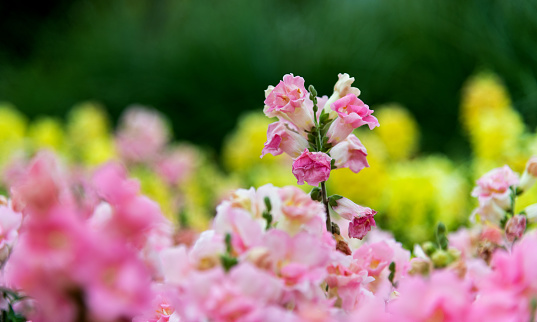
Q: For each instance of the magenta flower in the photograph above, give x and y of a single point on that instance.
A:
(281, 138)
(289, 100)
(350, 153)
(312, 167)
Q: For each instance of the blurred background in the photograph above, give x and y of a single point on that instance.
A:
(434, 70)
(204, 62)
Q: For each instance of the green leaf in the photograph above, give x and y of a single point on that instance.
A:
(268, 204)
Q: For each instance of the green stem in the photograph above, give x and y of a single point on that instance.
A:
(325, 202)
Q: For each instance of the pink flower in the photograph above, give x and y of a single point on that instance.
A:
(143, 133)
(494, 194)
(359, 227)
(10, 222)
(312, 167)
(289, 100)
(361, 217)
(352, 113)
(281, 138)
(351, 154)
(443, 297)
(300, 211)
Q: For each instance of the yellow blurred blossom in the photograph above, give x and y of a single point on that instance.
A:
(398, 131)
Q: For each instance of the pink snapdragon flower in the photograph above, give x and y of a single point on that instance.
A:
(494, 194)
(361, 218)
(312, 167)
(281, 138)
(289, 100)
(350, 153)
(352, 113)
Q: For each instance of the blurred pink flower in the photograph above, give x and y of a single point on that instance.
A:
(494, 193)
(312, 167)
(142, 134)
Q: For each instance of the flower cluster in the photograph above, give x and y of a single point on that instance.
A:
(90, 246)
(317, 133)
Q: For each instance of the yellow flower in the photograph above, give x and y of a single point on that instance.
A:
(87, 121)
(12, 131)
(482, 92)
(47, 132)
(398, 131)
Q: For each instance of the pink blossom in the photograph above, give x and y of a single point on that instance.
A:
(281, 138)
(143, 133)
(444, 297)
(350, 153)
(298, 209)
(494, 194)
(359, 227)
(361, 217)
(10, 222)
(352, 113)
(245, 231)
(312, 167)
(176, 165)
(289, 100)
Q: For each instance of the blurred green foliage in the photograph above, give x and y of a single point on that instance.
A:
(204, 62)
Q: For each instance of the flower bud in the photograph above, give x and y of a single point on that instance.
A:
(441, 258)
(515, 227)
(529, 176)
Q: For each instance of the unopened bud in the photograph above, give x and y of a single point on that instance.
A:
(441, 258)
(429, 248)
(315, 194)
(515, 227)
(419, 266)
(454, 253)
(529, 176)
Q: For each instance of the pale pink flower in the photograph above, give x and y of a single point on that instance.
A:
(444, 297)
(347, 278)
(350, 153)
(352, 113)
(515, 227)
(361, 218)
(289, 100)
(245, 231)
(10, 222)
(281, 138)
(299, 209)
(177, 165)
(494, 193)
(343, 86)
(312, 167)
(142, 134)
